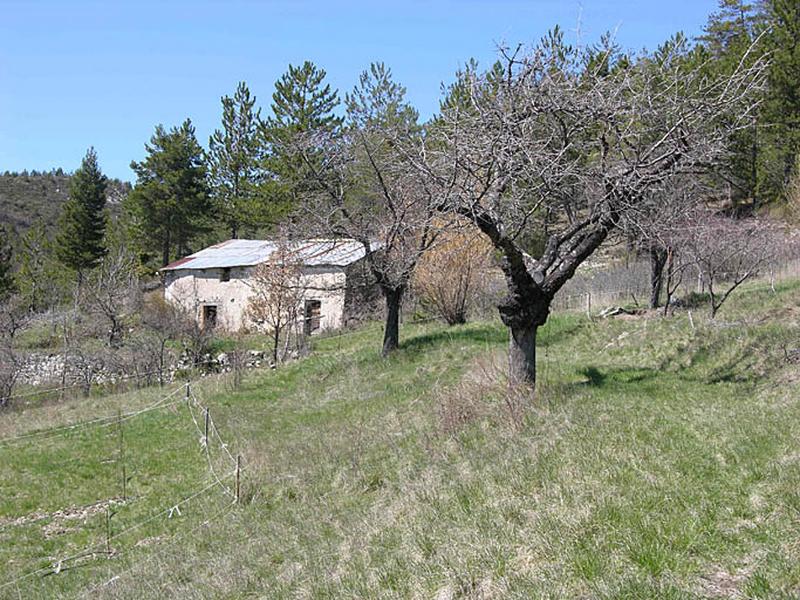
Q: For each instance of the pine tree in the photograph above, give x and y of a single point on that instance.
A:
(729, 36)
(233, 162)
(782, 103)
(302, 102)
(82, 225)
(169, 205)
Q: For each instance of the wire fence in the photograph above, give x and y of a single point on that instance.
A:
(223, 474)
(630, 284)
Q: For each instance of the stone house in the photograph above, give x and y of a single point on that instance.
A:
(215, 283)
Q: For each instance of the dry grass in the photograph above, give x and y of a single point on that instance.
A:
(654, 461)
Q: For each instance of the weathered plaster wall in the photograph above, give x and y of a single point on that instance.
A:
(194, 289)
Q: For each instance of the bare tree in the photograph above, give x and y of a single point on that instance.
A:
(110, 293)
(10, 360)
(654, 226)
(278, 291)
(728, 252)
(15, 315)
(194, 333)
(9, 372)
(163, 323)
(563, 143)
(366, 188)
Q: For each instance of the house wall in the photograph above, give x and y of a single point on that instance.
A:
(363, 300)
(195, 288)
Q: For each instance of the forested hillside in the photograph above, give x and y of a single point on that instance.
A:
(28, 197)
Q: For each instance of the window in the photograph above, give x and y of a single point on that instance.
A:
(225, 274)
(209, 317)
(313, 315)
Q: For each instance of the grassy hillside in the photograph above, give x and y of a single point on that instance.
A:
(659, 460)
(25, 199)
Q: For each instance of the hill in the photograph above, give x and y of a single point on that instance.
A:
(660, 459)
(28, 197)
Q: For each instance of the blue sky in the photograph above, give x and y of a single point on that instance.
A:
(79, 73)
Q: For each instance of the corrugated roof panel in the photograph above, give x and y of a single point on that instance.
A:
(245, 253)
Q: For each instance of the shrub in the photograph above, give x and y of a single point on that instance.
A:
(449, 277)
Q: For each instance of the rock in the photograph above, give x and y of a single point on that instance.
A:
(613, 311)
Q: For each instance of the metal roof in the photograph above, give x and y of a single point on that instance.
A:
(246, 253)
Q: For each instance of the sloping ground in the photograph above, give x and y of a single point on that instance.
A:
(659, 460)
(25, 199)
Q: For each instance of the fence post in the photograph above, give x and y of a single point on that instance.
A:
(121, 455)
(188, 393)
(108, 531)
(205, 437)
(589, 304)
(238, 471)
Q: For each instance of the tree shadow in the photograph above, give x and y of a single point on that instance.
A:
(619, 375)
(594, 376)
(488, 333)
(549, 336)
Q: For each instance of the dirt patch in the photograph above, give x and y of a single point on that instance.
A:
(149, 541)
(722, 584)
(59, 519)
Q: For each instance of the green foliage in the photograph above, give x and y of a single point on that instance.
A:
(302, 102)
(233, 163)
(7, 282)
(379, 102)
(41, 280)
(781, 133)
(81, 228)
(25, 199)
(763, 156)
(169, 206)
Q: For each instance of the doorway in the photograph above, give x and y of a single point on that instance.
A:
(209, 316)
(313, 315)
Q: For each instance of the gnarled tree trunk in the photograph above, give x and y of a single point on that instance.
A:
(391, 332)
(658, 259)
(522, 355)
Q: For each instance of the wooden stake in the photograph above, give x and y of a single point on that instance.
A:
(238, 471)
(589, 304)
(187, 392)
(121, 455)
(206, 431)
(108, 531)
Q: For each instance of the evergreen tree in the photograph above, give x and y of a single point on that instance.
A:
(82, 225)
(302, 102)
(169, 205)
(763, 157)
(730, 31)
(233, 157)
(781, 109)
(729, 35)
(379, 102)
(7, 283)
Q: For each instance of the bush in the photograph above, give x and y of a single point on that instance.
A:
(451, 275)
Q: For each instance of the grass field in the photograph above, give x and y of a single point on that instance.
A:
(658, 460)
